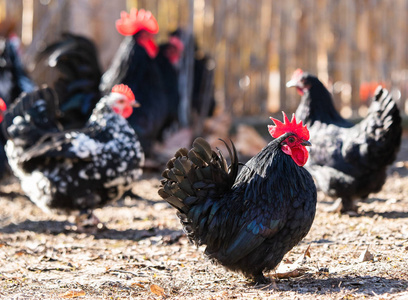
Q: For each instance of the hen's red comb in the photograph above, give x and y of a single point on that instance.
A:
(297, 74)
(3, 106)
(124, 90)
(176, 42)
(130, 24)
(288, 126)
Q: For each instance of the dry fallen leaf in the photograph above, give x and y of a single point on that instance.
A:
(294, 273)
(307, 252)
(289, 269)
(137, 284)
(365, 256)
(72, 294)
(287, 261)
(302, 258)
(20, 252)
(155, 289)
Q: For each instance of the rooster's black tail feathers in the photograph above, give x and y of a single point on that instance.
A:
(193, 181)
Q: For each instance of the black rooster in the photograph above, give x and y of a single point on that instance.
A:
(250, 220)
(134, 64)
(349, 161)
(77, 169)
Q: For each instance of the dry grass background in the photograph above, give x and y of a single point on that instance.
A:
(144, 255)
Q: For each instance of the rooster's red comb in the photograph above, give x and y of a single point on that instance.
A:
(124, 90)
(130, 24)
(288, 126)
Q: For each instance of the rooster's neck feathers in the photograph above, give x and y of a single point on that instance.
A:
(269, 157)
(317, 105)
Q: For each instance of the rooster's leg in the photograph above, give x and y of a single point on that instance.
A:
(260, 279)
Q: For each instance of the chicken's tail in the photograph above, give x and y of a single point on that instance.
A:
(193, 182)
(76, 59)
(31, 116)
(383, 128)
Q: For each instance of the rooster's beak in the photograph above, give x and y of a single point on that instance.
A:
(306, 143)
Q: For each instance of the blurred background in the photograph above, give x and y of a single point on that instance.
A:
(255, 45)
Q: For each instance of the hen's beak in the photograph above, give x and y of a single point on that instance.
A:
(306, 143)
(135, 104)
(291, 83)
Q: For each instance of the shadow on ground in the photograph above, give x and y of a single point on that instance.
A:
(363, 285)
(58, 227)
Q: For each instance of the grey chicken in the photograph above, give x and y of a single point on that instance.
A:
(348, 161)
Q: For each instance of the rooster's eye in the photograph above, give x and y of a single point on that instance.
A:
(291, 139)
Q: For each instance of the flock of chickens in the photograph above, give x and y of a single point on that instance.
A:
(82, 144)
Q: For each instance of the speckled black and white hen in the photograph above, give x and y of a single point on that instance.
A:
(73, 170)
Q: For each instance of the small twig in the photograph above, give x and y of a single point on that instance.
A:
(126, 272)
(156, 269)
(269, 286)
(62, 269)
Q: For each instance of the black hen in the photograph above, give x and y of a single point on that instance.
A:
(250, 220)
(78, 169)
(77, 85)
(167, 59)
(202, 100)
(13, 78)
(13, 81)
(348, 161)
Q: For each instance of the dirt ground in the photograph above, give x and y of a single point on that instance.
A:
(144, 255)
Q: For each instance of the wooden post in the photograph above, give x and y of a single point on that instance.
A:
(282, 55)
(28, 17)
(96, 20)
(3, 8)
(187, 71)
